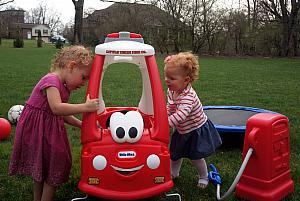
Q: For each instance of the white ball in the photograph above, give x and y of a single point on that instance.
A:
(14, 113)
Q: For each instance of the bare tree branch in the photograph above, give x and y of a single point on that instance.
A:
(272, 8)
(285, 13)
(3, 3)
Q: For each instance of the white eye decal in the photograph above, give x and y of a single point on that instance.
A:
(135, 126)
(117, 127)
(126, 127)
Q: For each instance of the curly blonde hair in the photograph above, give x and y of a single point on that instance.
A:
(187, 61)
(81, 55)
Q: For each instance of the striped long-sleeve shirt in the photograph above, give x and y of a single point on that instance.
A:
(186, 111)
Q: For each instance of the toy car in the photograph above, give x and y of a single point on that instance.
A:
(125, 153)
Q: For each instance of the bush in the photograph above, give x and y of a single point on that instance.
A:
(39, 40)
(18, 43)
(59, 44)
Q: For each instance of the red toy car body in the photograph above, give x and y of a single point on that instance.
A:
(125, 152)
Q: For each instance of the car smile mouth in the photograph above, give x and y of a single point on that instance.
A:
(127, 171)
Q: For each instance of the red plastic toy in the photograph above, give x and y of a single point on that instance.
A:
(267, 174)
(125, 152)
(5, 128)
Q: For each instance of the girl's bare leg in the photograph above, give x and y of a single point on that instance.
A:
(202, 171)
(175, 168)
(37, 191)
(48, 192)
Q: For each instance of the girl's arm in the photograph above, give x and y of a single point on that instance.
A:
(72, 120)
(65, 109)
(180, 115)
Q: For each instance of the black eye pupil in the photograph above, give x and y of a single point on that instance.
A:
(133, 132)
(120, 132)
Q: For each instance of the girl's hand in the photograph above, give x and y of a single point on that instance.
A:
(175, 95)
(91, 104)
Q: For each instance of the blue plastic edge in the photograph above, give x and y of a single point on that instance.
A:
(235, 129)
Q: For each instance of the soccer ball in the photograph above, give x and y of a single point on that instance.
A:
(14, 113)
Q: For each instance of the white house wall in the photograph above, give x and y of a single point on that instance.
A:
(42, 28)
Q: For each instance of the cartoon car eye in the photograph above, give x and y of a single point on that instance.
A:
(126, 127)
(117, 127)
(135, 126)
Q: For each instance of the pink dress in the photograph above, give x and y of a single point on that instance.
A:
(41, 147)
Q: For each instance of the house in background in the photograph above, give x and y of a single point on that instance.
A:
(7, 20)
(30, 31)
(12, 24)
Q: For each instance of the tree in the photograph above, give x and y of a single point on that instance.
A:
(285, 12)
(39, 40)
(209, 22)
(251, 26)
(18, 42)
(2, 3)
(177, 10)
(78, 4)
(252, 14)
(42, 14)
(193, 20)
(68, 30)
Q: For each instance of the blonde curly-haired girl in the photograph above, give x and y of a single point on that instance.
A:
(41, 147)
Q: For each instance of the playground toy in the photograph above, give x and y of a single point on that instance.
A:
(232, 119)
(5, 128)
(125, 152)
(265, 172)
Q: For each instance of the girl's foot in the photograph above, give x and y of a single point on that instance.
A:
(202, 183)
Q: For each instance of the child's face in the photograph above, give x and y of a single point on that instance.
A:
(175, 78)
(77, 77)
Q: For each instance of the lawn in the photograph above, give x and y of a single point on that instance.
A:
(268, 83)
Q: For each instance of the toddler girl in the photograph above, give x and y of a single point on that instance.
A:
(195, 137)
(41, 147)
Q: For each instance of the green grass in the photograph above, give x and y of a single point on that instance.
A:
(266, 83)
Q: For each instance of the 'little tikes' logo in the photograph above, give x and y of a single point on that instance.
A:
(126, 154)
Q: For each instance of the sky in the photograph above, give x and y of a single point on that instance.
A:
(63, 7)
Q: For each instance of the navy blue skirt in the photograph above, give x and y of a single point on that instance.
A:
(197, 144)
